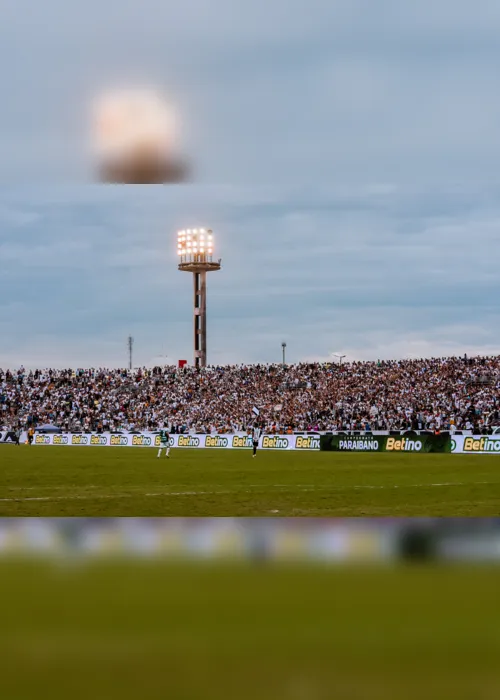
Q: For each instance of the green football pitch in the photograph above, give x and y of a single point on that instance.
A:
(94, 481)
(216, 632)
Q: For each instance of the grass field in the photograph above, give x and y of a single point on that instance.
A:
(64, 481)
(220, 633)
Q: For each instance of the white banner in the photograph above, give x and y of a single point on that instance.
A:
(476, 444)
(460, 444)
(234, 441)
(23, 437)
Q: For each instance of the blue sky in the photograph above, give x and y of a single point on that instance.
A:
(346, 157)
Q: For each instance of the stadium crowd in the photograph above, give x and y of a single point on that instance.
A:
(438, 393)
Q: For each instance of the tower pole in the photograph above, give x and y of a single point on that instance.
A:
(195, 248)
(203, 317)
(130, 346)
(200, 318)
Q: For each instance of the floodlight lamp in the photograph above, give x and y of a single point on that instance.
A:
(202, 250)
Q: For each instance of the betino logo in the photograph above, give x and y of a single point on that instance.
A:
(79, 440)
(100, 440)
(216, 441)
(482, 444)
(242, 441)
(275, 442)
(311, 442)
(42, 440)
(118, 441)
(142, 441)
(188, 441)
(403, 445)
(60, 440)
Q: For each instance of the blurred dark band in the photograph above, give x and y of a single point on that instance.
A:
(145, 171)
(255, 540)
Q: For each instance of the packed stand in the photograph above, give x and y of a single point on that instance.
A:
(436, 394)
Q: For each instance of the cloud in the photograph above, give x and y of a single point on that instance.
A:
(320, 91)
(385, 270)
(346, 157)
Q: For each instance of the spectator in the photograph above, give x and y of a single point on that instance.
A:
(432, 394)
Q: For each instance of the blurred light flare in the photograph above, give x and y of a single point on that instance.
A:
(129, 120)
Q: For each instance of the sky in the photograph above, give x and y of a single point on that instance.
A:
(345, 155)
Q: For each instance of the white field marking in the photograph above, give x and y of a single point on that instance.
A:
(166, 494)
(112, 496)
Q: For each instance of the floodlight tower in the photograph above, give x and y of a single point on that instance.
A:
(195, 250)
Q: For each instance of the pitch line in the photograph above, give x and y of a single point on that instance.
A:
(167, 494)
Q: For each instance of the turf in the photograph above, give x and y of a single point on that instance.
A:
(64, 481)
(214, 632)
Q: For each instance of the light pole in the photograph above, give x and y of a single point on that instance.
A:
(195, 249)
(341, 357)
(130, 342)
(283, 348)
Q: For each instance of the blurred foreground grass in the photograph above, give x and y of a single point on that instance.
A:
(212, 631)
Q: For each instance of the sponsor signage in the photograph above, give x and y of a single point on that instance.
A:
(306, 442)
(80, 439)
(476, 444)
(338, 442)
(100, 440)
(403, 445)
(275, 442)
(358, 444)
(386, 443)
(241, 441)
(216, 441)
(141, 440)
(43, 439)
(236, 441)
(118, 440)
(60, 440)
